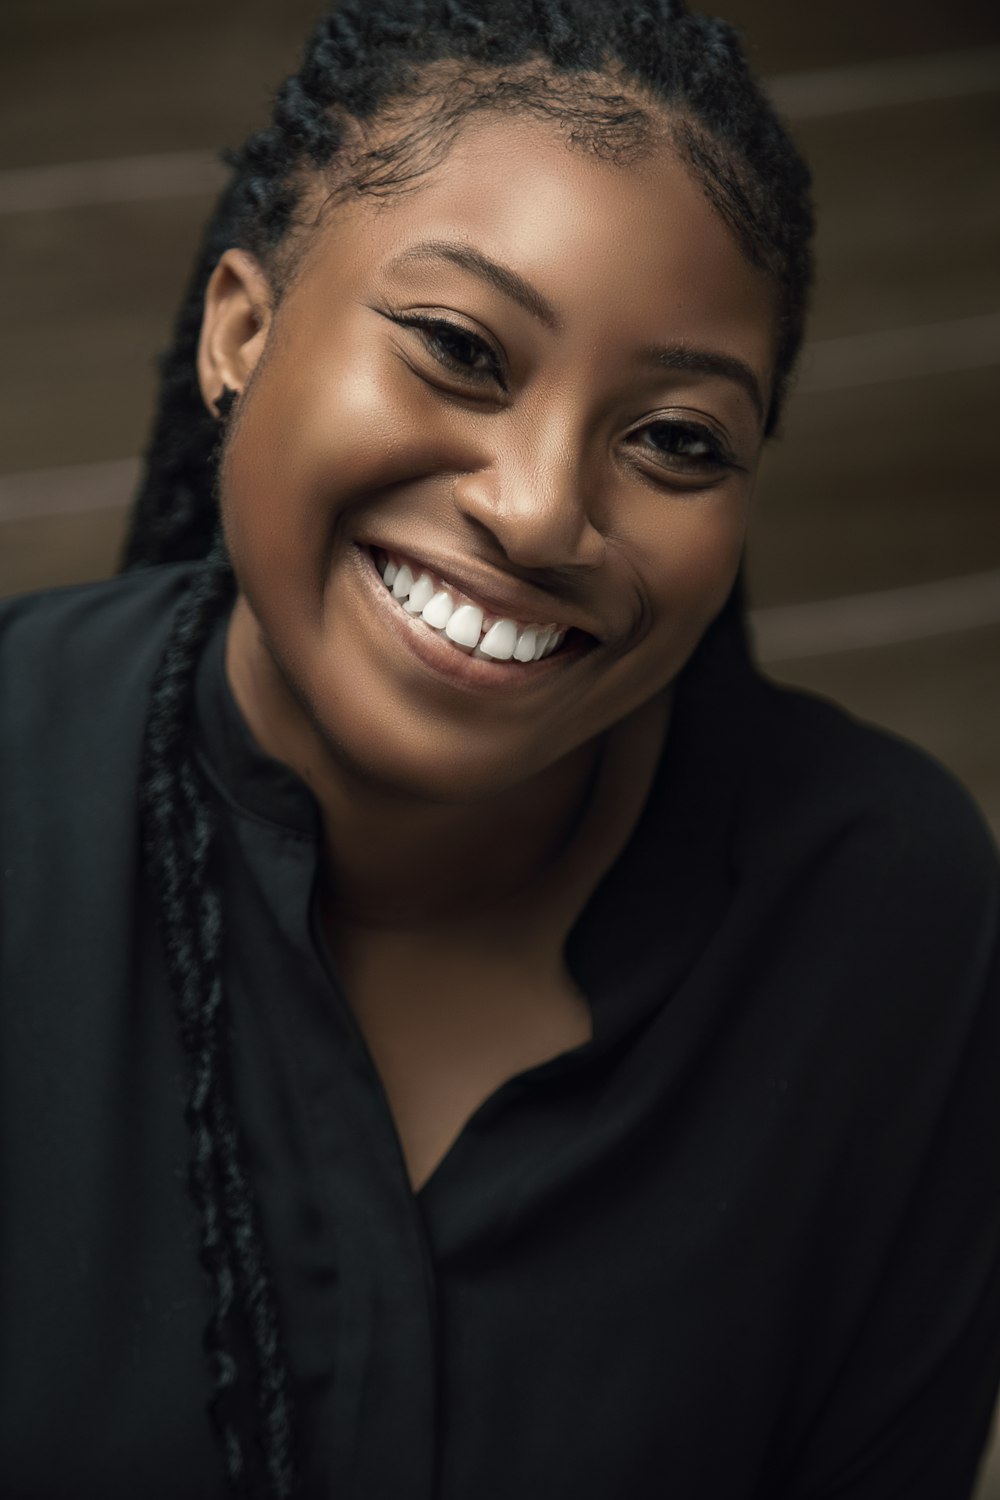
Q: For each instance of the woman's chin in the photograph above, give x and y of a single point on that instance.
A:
(423, 763)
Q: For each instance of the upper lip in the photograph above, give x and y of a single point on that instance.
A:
(503, 597)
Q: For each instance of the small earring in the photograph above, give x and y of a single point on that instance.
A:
(225, 403)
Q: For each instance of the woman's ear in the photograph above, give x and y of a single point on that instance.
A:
(234, 326)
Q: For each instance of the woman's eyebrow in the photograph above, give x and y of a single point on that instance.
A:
(705, 362)
(514, 286)
(500, 276)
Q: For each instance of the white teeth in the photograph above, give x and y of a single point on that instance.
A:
(439, 611)
(403, 582)
(421, 593)
(465, 625)
(525, 648)
(500, 640)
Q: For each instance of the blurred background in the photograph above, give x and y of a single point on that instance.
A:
(875, 554)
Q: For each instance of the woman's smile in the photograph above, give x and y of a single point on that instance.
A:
(469, 648)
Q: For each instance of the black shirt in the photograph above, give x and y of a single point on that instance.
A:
(743, 1243)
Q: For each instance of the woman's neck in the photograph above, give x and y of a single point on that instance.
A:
(399, 863)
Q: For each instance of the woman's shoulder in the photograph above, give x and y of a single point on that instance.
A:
(83, 642)
(76, 664)
(85, 614)
(821, 778)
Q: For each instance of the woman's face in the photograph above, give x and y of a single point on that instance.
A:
(539, 378)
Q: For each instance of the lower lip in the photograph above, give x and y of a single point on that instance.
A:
(448, 661)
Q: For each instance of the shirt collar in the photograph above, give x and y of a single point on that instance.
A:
(251, 780)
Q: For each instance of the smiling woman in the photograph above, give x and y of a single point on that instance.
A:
(592, 1050)
(539, 453)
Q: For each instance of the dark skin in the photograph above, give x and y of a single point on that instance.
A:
(559, 473)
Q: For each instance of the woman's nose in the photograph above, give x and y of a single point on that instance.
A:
(536, 509)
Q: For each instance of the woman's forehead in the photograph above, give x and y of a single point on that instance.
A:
(601, 245)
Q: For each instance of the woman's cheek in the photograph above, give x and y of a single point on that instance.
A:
(691, 547)
(360, 422)
(308, 437)
(710, 544)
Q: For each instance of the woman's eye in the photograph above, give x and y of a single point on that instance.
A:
(458, 350)
(686, 447)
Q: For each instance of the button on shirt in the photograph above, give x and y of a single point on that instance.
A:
(744, 1242)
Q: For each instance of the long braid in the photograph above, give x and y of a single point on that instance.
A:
(594, 66)
(179, 837)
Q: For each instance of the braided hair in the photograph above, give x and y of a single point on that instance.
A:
(609, 71)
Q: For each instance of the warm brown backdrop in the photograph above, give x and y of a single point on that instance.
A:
(885, 480)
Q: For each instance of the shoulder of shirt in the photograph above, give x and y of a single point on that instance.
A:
(87, 612)
(848, 784)
(80, 648)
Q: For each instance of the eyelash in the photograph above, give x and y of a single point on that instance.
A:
(716, 458)
(428, 327)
